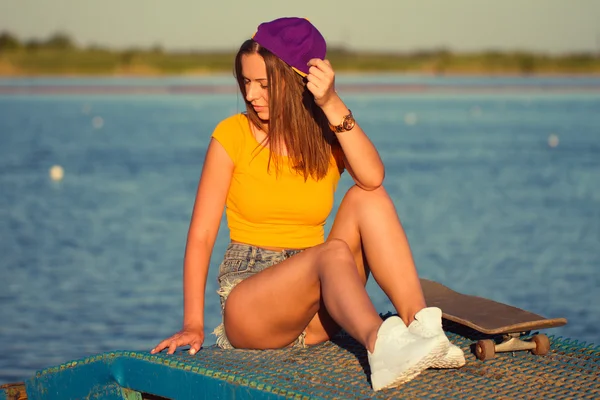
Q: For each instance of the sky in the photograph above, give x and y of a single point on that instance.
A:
(550, 26)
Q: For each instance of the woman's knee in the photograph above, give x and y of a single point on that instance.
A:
(336, 247)
(356, 195)
(336, 251)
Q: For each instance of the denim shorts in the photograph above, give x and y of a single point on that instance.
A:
(241, 261)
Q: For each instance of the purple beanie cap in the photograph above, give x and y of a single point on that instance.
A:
(294, 40)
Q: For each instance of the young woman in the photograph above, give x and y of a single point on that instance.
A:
(275, 168)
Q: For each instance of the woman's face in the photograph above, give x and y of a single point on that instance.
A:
(254, 73)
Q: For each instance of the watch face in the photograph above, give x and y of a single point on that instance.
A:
(349, 123)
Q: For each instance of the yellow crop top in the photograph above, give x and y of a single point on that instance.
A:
(264, 208)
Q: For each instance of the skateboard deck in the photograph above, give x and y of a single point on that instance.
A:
(483, 315)
(491, 318)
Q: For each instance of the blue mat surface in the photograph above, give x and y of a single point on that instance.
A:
(333, 370)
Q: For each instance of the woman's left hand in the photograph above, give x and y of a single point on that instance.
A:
(321, 81)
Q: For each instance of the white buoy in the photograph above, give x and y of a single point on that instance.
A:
(553, 140)
(476, 111)
(97, 122)
(410, 118)
(57, 173)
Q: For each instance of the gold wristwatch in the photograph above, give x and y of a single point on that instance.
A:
(347, 124)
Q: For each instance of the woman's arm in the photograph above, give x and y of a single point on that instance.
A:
(202, 233)
(204, 226)
(361, 158)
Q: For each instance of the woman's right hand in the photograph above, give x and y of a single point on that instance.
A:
(192, 337)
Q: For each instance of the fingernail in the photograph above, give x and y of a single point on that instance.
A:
(193, 351)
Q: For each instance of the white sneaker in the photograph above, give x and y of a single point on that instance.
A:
(427, 324)
(400, 356)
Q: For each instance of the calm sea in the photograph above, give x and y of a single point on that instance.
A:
(496, 180)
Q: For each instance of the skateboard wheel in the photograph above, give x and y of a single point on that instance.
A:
(542, 344)
(485, 349)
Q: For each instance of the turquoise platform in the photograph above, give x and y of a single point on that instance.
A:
(336, 369)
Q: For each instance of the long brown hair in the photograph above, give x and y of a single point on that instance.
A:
(295, 121)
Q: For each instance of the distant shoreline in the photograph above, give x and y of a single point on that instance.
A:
(342, 72)
(199, 88)
(71, 61)
(13, 73)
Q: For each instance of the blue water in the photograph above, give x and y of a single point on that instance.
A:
(499, 195)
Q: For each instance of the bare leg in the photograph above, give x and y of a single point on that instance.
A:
(368, 222)
(272, 308)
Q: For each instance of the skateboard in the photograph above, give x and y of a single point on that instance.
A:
(504, 325)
